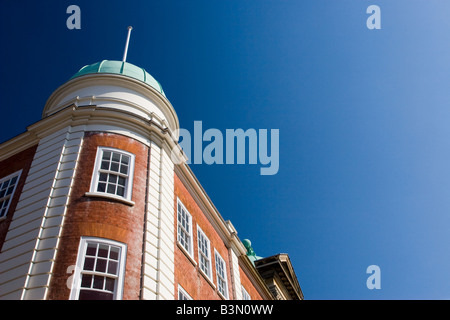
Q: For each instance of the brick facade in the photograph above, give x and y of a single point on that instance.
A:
(248, 286)
(187, 272)
(114, 220)
(20, 161)
(40, 236)
(104, 218)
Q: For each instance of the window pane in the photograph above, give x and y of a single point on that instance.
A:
(95, 295)
(111, 189)
(112, 178)
(91, 249)
(122, 181)
(114, 167)
(116, 157)
(105, 165)
(112, 267)
(101, 270)
(86, 281)
(98, 282)
(114, 253)
(101, 265)
(221, 277)
(124, 169)
(101, 187)
(120, 191)
(103, 250)
(125, 159)
(106, 155)
(89, 264)
(110, 283)
(103, 177)
(10, 190)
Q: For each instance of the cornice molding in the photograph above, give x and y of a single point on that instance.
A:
(250, 270)
(96, 119)
(225, 228)
(18, 144)
(56, 103)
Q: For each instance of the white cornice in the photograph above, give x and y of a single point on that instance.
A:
(18, 144)
(225, 228)
(66, 95)
(250, 270)
(94, 119)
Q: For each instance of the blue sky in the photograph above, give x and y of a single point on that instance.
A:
(363, 116)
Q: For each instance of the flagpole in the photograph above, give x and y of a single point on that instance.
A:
(126, 45)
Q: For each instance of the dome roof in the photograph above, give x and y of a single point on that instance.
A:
(122, 68)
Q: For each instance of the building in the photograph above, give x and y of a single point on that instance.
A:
(97, 202)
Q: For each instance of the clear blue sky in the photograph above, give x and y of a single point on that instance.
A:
(364, 119)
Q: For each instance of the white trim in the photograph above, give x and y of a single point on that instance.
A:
(190, 250)
(217, 255)
(235, 273)
(96, 174)
(159, 250)
(109, 196)
(183, 292)
(11, 195)
(76, 284)
(90, 87)
(200, 232)
(245, 294)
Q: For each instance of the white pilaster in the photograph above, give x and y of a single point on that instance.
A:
(28, 254)
(158, 275)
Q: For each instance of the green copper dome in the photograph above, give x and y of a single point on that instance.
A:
(122, 68)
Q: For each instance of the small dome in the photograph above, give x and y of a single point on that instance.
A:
(247, 243)
(122, 68)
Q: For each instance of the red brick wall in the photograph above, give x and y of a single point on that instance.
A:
(249, 287)
(187, 274)
(102, 217)
(21, 160)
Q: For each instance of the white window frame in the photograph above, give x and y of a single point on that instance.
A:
(11, 195)
(245, 294)
(190, 249)
(201, 234)
(79, 267)
(97, 171)
(219, 260)
(183, 293)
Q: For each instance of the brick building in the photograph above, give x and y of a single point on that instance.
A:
(97, 202)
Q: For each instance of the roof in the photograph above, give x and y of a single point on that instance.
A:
(281, 265)
(122, 68)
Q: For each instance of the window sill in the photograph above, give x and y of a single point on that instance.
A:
(211, 283)
(110, 197)
(221, 295)
(191, 259)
